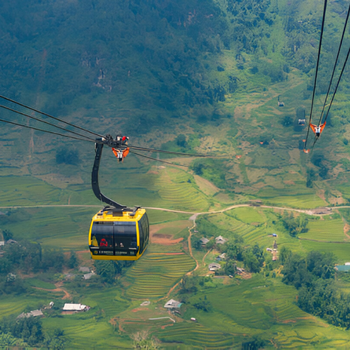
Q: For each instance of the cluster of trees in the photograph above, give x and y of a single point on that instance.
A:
(67, 156)
(189, 285)
(295, 225)
(30, 331)
(314, 276)
(108, 270)
(28, 257)
(213, 170)
(252, 257)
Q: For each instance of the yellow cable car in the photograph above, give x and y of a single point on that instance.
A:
(116, 232)
(119, 236)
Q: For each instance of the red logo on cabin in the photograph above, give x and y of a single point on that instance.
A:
(103, 243)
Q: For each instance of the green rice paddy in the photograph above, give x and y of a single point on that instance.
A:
(155, 274)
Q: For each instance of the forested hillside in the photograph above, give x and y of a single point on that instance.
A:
(190, 66)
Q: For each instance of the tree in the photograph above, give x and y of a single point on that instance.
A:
(251, 262)
(230, 268)
(107, 270)
(181, 140)
(73, 260)
(287, 121)
(284, 254)
(7, 234)
(189, 284)
(67, 156)
(204, 305)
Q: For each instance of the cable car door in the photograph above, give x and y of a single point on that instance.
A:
(125, 238)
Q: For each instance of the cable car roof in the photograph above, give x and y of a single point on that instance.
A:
(119, 216)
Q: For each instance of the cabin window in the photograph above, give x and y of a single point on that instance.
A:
(125, 236)
(102, 235)
(146, 227)
(142, 236)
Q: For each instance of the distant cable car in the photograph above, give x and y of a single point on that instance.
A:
(116, 232)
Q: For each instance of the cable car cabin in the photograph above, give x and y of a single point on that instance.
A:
(116, 235)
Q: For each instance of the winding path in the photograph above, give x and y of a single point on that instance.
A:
(195, 214)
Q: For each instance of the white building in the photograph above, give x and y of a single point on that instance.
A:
(75, 307)
(204, 240)
(33, 313)
(172, 304)
(214, 266)
(220, 240)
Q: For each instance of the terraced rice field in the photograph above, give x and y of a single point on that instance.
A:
(195, 335)
(325, 230)
(250, 233)
(247, 214)
(63, 227)
(178, 193)
(300, 201)
(340, 250)
(155, 274)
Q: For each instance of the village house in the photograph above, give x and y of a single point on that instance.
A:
(87, 276)
(204, 240)
(220, 240)
(84, 269)
(34, 313)
(172, 304)
(221, 257)
(75, 307)
(214, 266)
(240, 269)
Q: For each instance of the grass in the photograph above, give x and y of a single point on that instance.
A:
(35, 282)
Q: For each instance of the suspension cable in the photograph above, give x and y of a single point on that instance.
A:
(336, 87)
(43, 121)
(169, 152)
(158, 160)
(49, 132)
(318, 60)
(48, 115)
(335, 64)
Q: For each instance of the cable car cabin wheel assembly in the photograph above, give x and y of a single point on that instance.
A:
(116, 232)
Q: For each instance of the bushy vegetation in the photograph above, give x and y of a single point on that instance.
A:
(29, 330)
(211, 169)
(314, 276)
(295, 225)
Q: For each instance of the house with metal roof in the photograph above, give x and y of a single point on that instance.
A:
(220, 240)
(214, 266)
(75, 307)
(173, 304)
(34, 313)
(221, 257)
(204, 240)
